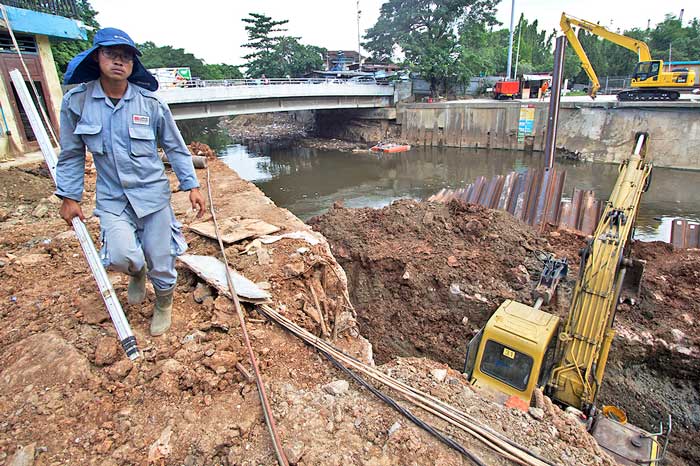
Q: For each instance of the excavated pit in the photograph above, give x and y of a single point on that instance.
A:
(424, 277)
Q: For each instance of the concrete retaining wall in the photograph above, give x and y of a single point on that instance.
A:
(599, 131)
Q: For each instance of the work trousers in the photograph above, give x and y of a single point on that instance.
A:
(129, 242)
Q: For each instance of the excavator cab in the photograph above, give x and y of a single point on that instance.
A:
(515, 351)
(647, 70)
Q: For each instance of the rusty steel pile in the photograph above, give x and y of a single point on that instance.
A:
(535, 197)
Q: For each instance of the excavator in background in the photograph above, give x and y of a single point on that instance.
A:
(522, 347)
(649, 80)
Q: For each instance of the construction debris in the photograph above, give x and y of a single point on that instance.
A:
(213, 271)
(235, 229)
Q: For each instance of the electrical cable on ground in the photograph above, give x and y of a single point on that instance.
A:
(494, 440)
(267, 411)
(407, 413)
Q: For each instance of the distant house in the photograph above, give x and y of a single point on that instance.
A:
(32, 23)
(343, 60)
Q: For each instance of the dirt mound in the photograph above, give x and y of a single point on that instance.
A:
(425, 276)
(69, 395)
(201, 149)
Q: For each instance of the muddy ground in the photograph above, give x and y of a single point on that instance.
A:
(424, 277)
(68, 395)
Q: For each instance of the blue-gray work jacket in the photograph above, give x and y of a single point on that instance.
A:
(123, 140)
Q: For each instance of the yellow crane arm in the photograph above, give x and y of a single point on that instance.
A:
(567, 22)
(588, 332)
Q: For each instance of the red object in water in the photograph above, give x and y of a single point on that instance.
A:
(506, 89)
(391, 148)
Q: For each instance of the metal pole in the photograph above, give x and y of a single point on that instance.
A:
(510, 39)
(114, 308)
(517, 54)
(553, 116)
(359, 47)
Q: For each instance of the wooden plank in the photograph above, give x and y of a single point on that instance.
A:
(234, 229)
(213, 271)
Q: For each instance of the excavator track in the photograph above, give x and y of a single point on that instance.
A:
(646, 95)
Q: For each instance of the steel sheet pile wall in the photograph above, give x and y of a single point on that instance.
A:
(530, 196)
(491, 125)
(685, 234)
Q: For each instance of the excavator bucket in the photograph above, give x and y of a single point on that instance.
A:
(632, 283)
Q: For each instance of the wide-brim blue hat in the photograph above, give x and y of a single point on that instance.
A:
(83, 68)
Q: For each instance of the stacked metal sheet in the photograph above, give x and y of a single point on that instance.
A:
(534, 196)
(685, 234)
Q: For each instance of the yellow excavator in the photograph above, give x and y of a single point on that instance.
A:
(521, 347)
(649, 80)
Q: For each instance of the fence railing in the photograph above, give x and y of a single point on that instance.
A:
(65, 8)
(269, 82)
(611, 84)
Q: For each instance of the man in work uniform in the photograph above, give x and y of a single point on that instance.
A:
(116, 116)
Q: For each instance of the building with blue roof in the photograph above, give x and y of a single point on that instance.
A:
(33, 23)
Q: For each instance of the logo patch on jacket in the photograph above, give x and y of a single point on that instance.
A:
(140, 119)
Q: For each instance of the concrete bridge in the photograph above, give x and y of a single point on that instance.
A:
(202, 99)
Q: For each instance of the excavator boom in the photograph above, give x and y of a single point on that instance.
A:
(588, 332)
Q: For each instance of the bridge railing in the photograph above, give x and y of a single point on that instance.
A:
(270, 82)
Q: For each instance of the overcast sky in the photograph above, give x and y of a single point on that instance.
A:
(213, 30)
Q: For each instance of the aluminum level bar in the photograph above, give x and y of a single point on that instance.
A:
(116, 313)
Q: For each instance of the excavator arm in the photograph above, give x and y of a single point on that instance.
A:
(568, 22)
(588, 333)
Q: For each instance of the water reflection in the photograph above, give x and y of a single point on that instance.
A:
(207, 131)
(307, 181)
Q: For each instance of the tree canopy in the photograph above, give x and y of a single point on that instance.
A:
(274, 54)
(453, 40)
(428, 34)
(168, 57)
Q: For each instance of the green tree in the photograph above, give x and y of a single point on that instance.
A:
(276, 55)
(221, 71)
(427, 33)
(263, 38)
(64, 50)
(166, 56)
(154, 56)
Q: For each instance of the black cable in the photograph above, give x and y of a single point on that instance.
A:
(488, 429)
(394, 404)
(408, 414)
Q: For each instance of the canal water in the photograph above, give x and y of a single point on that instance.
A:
(308, 181)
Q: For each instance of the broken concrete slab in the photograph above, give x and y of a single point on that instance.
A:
(235, 229)
(213, 271)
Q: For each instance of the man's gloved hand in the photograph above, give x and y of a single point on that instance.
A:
(70, 209)
(198, 202)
